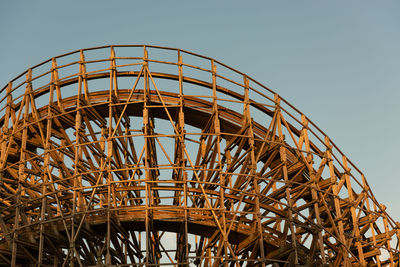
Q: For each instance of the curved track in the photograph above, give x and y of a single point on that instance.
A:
(146, 156)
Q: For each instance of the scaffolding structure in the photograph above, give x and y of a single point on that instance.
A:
(136, 155)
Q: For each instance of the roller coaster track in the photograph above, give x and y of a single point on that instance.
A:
(137, 155)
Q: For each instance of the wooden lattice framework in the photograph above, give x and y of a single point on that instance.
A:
(146, 156)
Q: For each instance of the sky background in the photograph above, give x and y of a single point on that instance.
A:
(336, 61)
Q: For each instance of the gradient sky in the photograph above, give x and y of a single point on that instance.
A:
(337, 61)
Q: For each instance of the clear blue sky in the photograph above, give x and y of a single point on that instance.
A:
(337, 61)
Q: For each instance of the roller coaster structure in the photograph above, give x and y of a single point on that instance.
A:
(138, 155)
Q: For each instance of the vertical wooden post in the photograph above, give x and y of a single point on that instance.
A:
(217, 134)
(146, 96)
(286, 179)
(313, 188)
(388, 235)
(56, 81)
(45, 172)
(5, 131)
(248, 121)
(182, 161)
(21, 167)
(353, 213)
(371, 218)
(339, 218)
(110, 145)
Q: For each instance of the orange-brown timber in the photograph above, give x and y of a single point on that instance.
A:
(134, 155)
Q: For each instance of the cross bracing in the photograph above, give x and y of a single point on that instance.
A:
(149, 156)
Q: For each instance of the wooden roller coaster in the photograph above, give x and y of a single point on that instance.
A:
(134, 155)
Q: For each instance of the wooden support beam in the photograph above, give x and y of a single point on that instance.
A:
(237, 176)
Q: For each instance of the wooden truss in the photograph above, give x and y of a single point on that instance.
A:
(110, 157)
